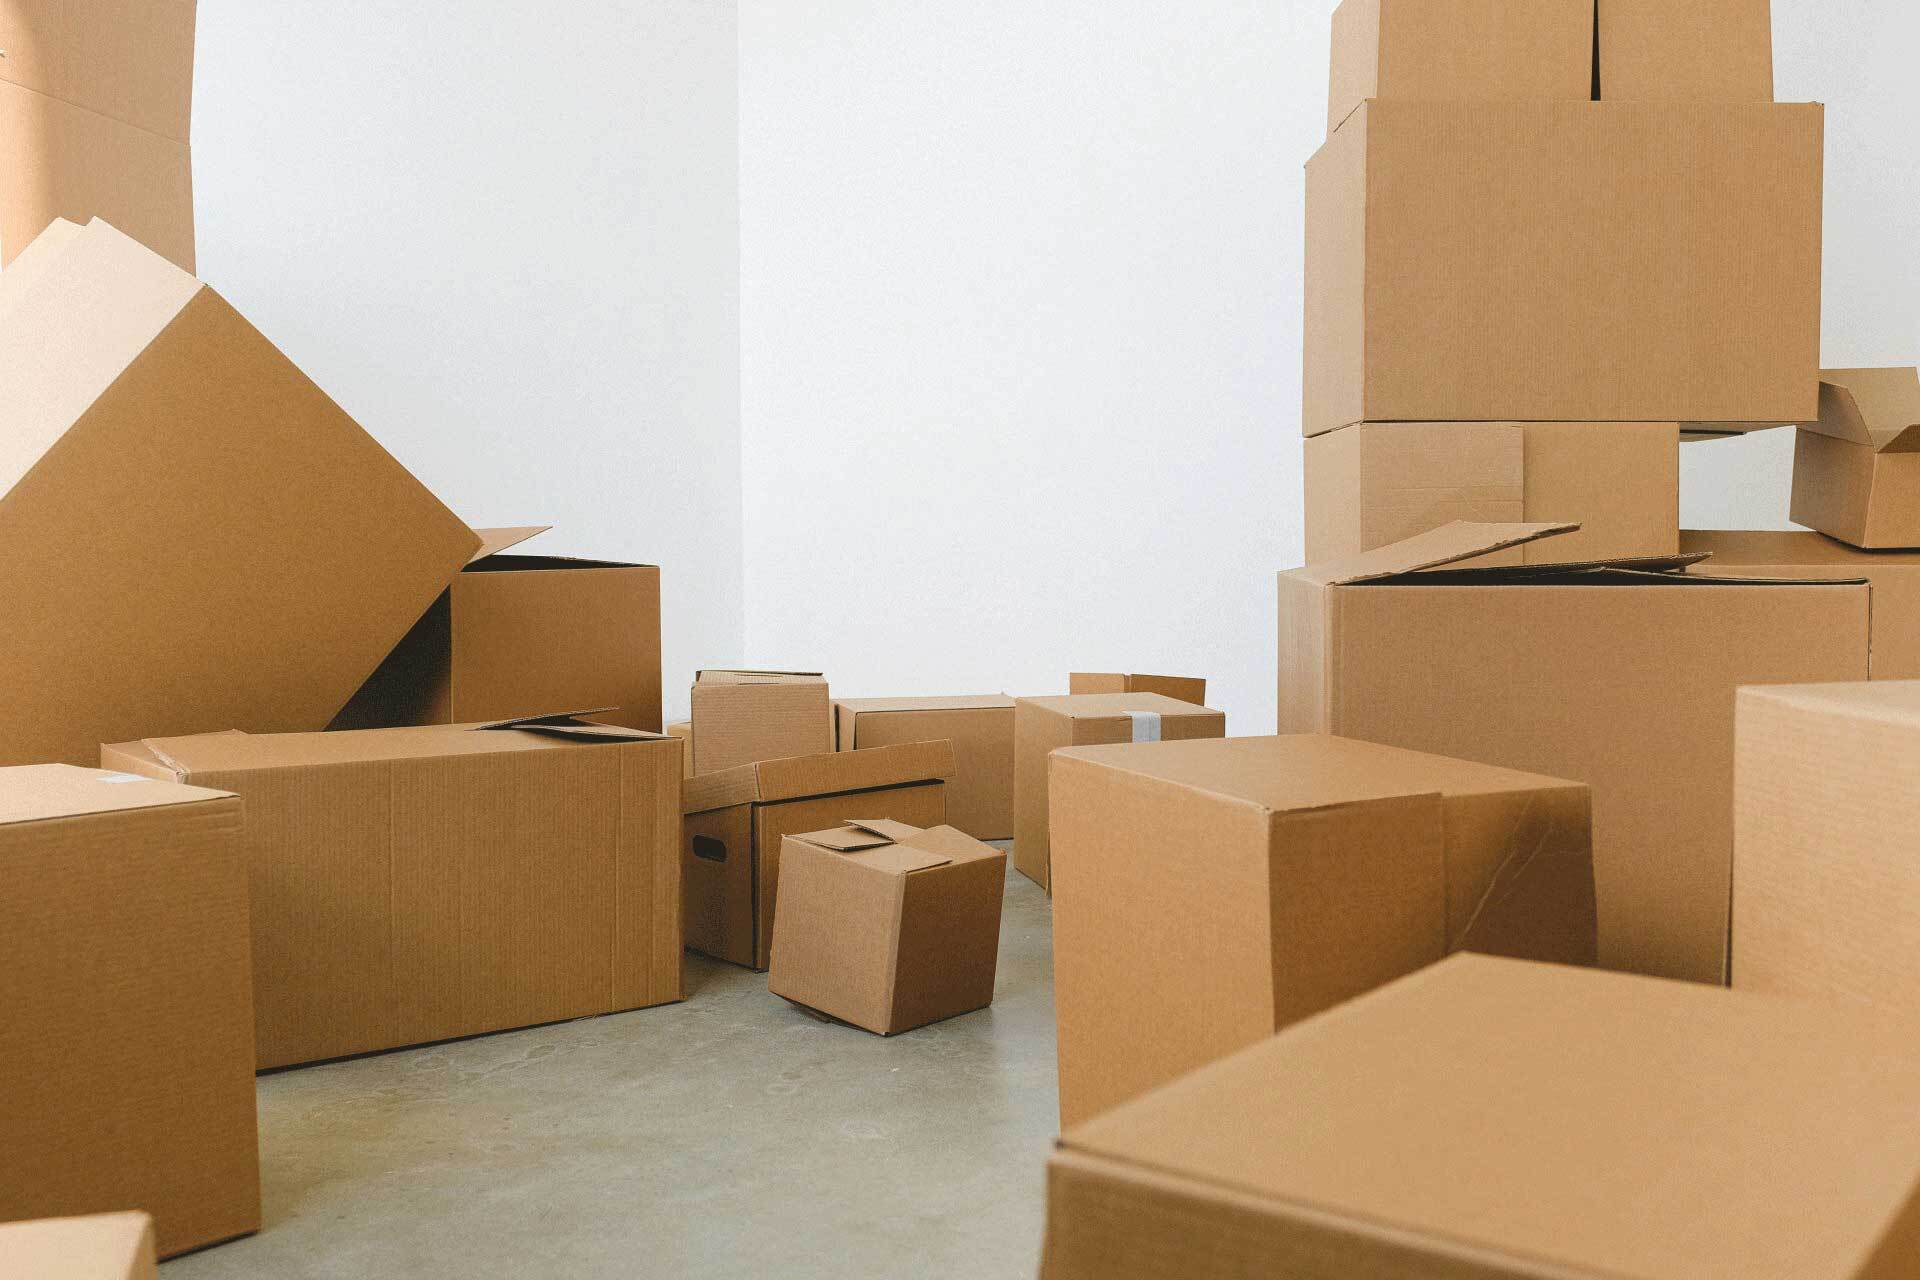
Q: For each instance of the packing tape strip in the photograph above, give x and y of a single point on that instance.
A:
(1146, 725)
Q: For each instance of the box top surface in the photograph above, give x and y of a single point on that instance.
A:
(1793, 548)
(897, 848)
(1098, 706)
(1878, 408)
(1886, 701)
(1611, 1124)
(738, 676)
(240, 752)
(957, 702)
(832, 773)
(44, 792)
(101, 1246)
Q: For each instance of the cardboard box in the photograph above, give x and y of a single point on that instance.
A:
(1553, 261)
(980, 792)
(1494, 1118)
(413, 885)
(887, 926)
(126, 1049)
(737, 819)
(1376, 483)
(1856, 468)
(743, 717)
(1620, 676)
(1081, 720)
(1208, 893)
(130, 60)
(102, 1246)
(1459, 49)
(1191, 689)
(683, 730)
(517, 635)
(1686, 50)
(198, 538)
(1893, 575)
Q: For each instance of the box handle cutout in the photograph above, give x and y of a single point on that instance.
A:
(709, 848)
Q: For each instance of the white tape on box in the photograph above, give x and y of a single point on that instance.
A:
(1146, 725)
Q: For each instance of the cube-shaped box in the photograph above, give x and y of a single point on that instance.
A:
(1494, 1118)
(1685, 50)
(1856, 468)
(1554, 261)
(100, 1246)
(980, 727)
(744, 717)
(1232, 886)
(737, 820)
(887, 926)
(126, 1048)
(413, 885)
(1080, 720)
(197, 538)
(1180, 688)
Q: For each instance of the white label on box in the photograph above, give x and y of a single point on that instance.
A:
(123, 777)
(1146, 725)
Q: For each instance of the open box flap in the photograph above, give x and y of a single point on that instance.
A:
(1878, 408)
(574, 725)
(494, 541)
(1449, 544)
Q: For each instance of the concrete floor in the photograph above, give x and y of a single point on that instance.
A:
(729, 1136)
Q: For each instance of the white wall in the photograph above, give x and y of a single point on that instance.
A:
(504, 236)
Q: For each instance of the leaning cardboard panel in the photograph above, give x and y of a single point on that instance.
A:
(413, 885)
(1685, 50)
(1207, 893)
(517, 635)
(1617, 675)
(196, 537)
(101, 1246)
(1856, 468)
(980, 727)
(741, 717)
(126, 1048)
(1492, 1119)
(1180, 688)
(737, 819)
(1554, 261)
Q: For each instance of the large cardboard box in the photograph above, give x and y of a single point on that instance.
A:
(1207, 893)
(197, 538)
(887, 926)
(126, 1044)
(1180, 688)
(1376, 483)
(1459, 49)
(1554, 261)
(1685, 50)
(518, 635)
(736, 821)
(1080, 720)
(1491, 1119)
(743, 717)
(980, 727)
(1856, 468)
(413, 885)
(101, 1246)
(1619, 676)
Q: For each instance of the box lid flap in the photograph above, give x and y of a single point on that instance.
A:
(494, 541)
(958, 702)
(572, 724)
(741, 675)
(1449, 544)
(830, 774)
(43, 792)
(1879, 408)
(883, 845)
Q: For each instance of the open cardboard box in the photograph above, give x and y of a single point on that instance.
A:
(1856, 468)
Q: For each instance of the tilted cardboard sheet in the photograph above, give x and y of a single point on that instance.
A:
(102, 1246)
(980, 727)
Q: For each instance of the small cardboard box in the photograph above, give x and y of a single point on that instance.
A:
(197, 538)
(1459, 49)
(1293, 873)
(517, 635)
(1492, 1118)
(887, 926)
(1685, 50)
(1856, 469)
(737, 819)
(101, 1246)
(413, 885)
(126, 1048)
(1376, 483)
(1554, 261)
(980, 727)
(744, 717)
(1079, 720)
(1618, 675)
(1180, 688)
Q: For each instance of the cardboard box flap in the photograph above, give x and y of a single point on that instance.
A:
(43, 792)
(1449, 544)
(834, 773)
(1878, 408)
(899, 859)
(887, 828)
(572, 724)
(846, 839)
(494, 541)
(743, 675)
(959, 702)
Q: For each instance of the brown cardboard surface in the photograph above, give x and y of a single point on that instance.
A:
(980, 727)
(1491, 1119)
(1856, 468)
(887, 931)
(740, 717)
(199, 539)
(413, 885)
(1686, 50)
(1209, 892)
(683, 730)
(1440, 285)
(1454, 49)
(1041, 725)
(1180, 688)
(102, 1246)
(1619, 678)
(126, 1052)
(130, 60)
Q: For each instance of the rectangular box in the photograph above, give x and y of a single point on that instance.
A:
(518, 635)
(1191, 689)
(980, 792)
(101, 1246)
(1555, 261)
(744, 717)
(126, 1048)
(737, 819)
(1686, 50)
(1078, 720)
(887, 926)
(1490, 1119)
(1208, 893)
(1856, 468)
(1376, 483)
(413, 885)
(1618, 677)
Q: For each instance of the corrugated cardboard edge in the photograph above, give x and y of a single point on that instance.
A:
(832, 774)
(494, 541)
(1449, 544)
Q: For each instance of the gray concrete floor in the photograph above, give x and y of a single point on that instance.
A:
(730, 1136)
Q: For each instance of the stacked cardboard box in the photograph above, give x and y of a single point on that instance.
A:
(980, 727)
